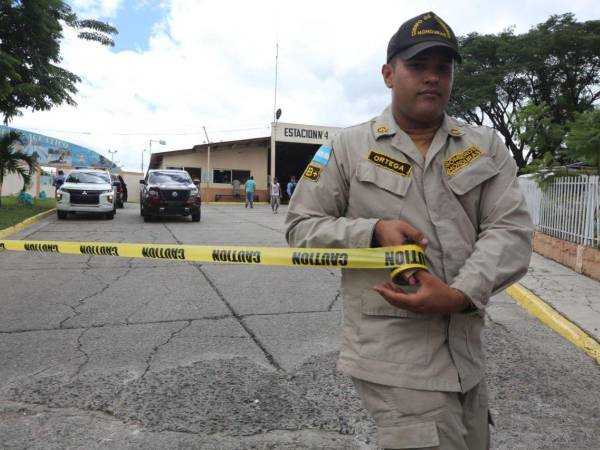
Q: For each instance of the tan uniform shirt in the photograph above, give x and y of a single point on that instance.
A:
(465, 198)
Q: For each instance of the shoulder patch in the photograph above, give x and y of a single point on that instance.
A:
(312, 173)
(322, 155)
(461, 159)
(379, 159)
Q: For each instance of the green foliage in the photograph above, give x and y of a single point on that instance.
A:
(583, 140)
(30, 35)
(13, 160)
(537, 130)
(529, 83)
(14, 212)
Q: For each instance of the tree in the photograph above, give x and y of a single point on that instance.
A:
(16, 161)
(30, 35)
(583, 140)
(537, 130)
(556, 66)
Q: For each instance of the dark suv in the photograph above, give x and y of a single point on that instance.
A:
(169, 193)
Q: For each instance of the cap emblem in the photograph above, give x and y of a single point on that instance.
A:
(416, 31)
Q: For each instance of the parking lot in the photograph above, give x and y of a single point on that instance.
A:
(121, 353)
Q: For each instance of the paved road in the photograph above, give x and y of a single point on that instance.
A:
(114, 353)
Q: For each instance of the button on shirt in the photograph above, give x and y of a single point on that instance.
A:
(465, 198)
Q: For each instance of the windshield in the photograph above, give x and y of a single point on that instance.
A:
(88, 177)
(169, 177)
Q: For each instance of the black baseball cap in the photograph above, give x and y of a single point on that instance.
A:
(420, 33)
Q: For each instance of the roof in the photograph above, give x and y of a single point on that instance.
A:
(156, 157)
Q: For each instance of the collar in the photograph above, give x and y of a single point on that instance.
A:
(452, 127)
(385, 125)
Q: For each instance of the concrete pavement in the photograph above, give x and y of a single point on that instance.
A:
(573, 296)
(119, 353)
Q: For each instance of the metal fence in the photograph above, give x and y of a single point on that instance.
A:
(567, 209)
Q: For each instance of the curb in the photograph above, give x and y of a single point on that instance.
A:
(30, 221)
(535, 306)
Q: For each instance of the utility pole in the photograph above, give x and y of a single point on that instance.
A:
(112, 155)
(207, 161)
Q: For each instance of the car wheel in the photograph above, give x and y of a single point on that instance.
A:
(61, 215)
(196, 217)
(110, 215)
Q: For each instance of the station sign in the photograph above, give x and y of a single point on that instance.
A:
(304, 134)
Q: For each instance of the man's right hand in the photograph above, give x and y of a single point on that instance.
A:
(388, 233)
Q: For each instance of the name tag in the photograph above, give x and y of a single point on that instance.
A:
(379, 159)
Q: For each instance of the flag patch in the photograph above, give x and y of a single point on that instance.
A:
(322, 155)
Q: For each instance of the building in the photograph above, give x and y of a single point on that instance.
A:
(283, 154)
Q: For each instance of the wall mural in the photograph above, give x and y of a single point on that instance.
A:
(51, 151)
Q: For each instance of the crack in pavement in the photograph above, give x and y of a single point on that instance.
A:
(116, 324)
(240, 320)
(80, 349)
(335, 299)
(157, 348)
(270, 358)
(82, 301)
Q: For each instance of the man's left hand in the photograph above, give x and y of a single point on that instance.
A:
(432, 297)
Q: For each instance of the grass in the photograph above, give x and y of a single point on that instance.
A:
(12, 212)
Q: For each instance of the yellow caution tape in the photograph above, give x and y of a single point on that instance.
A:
(400, 258)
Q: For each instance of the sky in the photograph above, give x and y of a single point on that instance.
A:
(180, 67)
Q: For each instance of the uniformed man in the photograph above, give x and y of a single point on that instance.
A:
(416, 175)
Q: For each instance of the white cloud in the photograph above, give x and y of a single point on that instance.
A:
(212, 64)
(96, 8)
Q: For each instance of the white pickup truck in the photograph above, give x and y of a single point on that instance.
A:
(86, 190)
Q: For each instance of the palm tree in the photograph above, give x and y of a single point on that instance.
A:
(15, 161)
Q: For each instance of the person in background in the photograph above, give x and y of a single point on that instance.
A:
(236, 184)
(275, 195)
(291, 186)
(250, 187)
(414, 175)
(124, 187)
(58, 180)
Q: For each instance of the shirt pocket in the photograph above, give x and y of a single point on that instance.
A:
(379, 192)
(392, 334)
(475, 174)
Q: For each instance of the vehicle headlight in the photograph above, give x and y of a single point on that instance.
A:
(58, 196)
(194, 192)
(152, 193)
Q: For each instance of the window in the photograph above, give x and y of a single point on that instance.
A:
(195, 172)
(222, 176)
(228, 175)
(241, 175)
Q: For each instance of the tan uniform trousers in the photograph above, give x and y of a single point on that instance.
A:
(416, 419)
